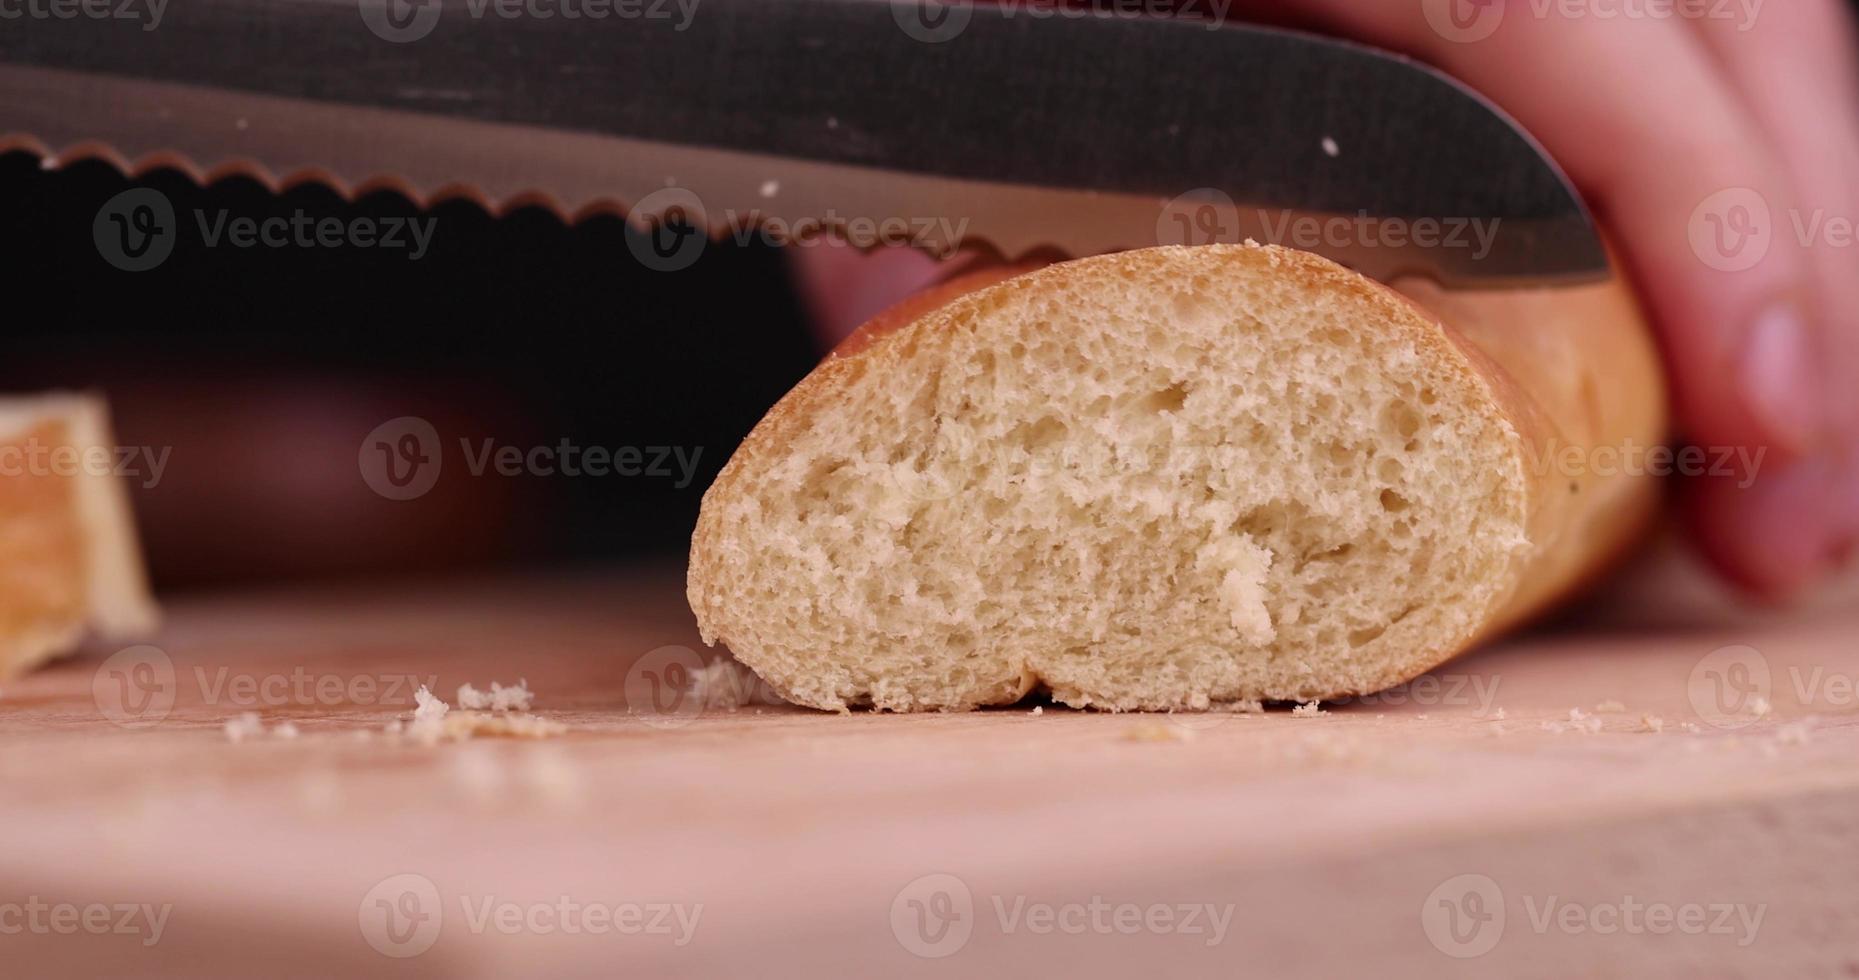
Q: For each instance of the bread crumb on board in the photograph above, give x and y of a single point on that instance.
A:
(1578, 721)
(1795, 732)
(1652, 723)
(427, 706)
(1309, 709)
(247, 725)
(499, 698)
(461, 725)
(1038, 709)
(243, 726)
(1610, 707)
(435, 721)
(727, 684)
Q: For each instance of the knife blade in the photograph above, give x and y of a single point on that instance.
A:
(947, 124)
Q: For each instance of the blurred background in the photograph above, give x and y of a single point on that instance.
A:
(263, 370)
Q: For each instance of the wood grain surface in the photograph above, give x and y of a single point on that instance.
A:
(795, 843)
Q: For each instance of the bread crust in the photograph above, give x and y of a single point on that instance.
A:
(1579, 374)
(69, 562)
(1569, 370)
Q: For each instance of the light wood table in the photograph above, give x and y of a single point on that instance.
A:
(1387, 839)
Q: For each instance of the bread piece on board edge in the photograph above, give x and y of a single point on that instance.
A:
(69, 560)
(1176, 477)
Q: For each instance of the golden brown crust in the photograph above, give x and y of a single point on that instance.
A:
(1579, 373)
(42, 556)
(922, 303)
(69, 564)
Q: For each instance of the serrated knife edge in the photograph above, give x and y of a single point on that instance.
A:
(211, 133)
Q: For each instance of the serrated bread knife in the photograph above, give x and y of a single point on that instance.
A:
(944, 124)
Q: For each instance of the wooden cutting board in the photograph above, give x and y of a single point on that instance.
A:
(1415, 835)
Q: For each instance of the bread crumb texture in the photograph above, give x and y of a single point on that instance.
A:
(725, 684)
(1167, 479)
(434, 721)
(243, 726)
(498, 698)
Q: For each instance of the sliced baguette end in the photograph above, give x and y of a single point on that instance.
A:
(70, 563)
(1155, 480)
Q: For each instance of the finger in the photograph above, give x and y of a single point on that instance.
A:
(1638, 114)
(1794, 69)
(842, 287)
(1682, 172)
(1752, 531)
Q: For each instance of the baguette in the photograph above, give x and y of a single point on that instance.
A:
(69, 561)
(1174, 478)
